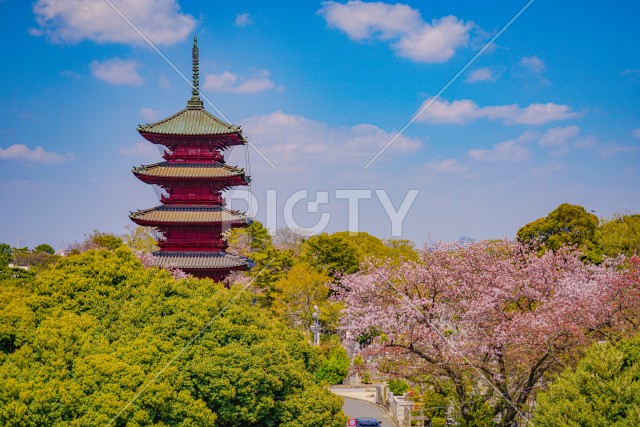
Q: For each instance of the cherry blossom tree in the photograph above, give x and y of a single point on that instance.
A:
(489, 318)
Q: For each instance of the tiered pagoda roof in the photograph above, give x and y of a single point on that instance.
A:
(200, 260)
(190, 171)
(161, 215)
(193, 120)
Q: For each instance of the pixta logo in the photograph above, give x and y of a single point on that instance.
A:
(312, 204)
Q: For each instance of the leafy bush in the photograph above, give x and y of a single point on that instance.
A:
(398, 386)
(335, 367)
(603, 390)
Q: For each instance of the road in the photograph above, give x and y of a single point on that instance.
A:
(355, 408)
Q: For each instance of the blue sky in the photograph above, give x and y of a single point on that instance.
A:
(549, 113)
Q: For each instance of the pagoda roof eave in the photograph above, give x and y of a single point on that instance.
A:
(189, 215)
(190, 171)
(148, 223)
(221, 182)
(191, 122)
(146, 134)
(202, 261)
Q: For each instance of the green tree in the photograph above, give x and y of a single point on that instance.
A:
(296, 293)
(567, 224)
(45, 248)
(254, 238)
(5, 255)
(371, 248)
(96, 240)
(402, 249)
(620, 235)
(335, 366)
(331, 255)
(603, 390)
(364, 244)
(270, 265)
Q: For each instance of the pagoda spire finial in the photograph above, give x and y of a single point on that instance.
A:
(195, 101)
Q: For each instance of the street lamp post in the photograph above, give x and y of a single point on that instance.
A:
(316, 328)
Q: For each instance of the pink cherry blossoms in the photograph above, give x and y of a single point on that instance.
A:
(149, 260)
(491, 317)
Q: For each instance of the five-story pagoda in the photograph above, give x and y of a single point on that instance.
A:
(193, 216)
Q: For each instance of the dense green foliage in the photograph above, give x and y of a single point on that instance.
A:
(335, 365)
(45, 248)
(603, 390)
(398, 386)
(566, 225)
(297, 293)
(97, 338)
(620, 235)
(5, 254)
(330, 254)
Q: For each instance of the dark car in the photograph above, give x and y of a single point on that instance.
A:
(367, 422)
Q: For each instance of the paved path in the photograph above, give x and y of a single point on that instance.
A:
(355, 408)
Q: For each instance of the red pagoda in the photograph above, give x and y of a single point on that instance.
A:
(192, 216)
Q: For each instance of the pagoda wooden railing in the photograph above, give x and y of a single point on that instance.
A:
(216, 245)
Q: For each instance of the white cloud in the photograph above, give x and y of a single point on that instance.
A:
(484, 74)
(451, 166)
(533, 64)
(141, 149)
(559, 136)
(231, 83)
(71, 21)
(289, 139)
(466, 111)
(409, 35)
(37, 155)
(243, 20)
(636, 133)
(117, 71)
(586, 141)
(559, 139)
(436, 42)
(512, 150)
(149, 114)
(366, 20)
(534, 67)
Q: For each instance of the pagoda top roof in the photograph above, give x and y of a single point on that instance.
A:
(188, 170)
(189, 215)
(193, 120)
(200, 260)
